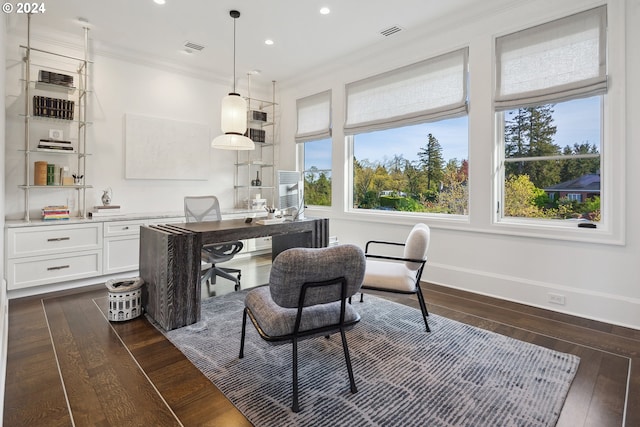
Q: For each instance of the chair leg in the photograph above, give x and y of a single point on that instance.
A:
(244, 327)
(352, 381)
(361, 296)
(423, 308)
(295, 407)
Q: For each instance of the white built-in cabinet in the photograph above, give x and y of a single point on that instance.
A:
(55, 253)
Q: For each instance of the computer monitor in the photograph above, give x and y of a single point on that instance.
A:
(290, 194)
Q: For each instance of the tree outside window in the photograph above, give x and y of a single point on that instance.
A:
(552, 161)
(420, 168)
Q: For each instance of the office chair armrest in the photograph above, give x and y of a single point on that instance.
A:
(394, 258)
(381, 242)
(225, 249)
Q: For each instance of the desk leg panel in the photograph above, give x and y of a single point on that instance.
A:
(170, 268)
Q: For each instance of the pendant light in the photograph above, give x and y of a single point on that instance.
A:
(234, 112)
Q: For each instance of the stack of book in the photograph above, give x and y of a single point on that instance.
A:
(55, 78)
(105, 210)
(55, 213)
(56, 108)
(55, 145)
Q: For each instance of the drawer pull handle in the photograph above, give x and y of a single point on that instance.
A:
(58, 239)
(125, 227)
(59, 267)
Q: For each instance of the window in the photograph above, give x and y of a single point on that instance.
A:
(314, 142)
(408, 130)
(317, 172)
(550, 87)
(419, 168)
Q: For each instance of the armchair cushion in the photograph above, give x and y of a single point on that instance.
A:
(277, 321)
(417, 244)
(394, 276)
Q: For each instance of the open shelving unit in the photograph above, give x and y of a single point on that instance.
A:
(66, 108)
(258, 164)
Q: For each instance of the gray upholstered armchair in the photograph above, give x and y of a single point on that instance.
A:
(307, 297)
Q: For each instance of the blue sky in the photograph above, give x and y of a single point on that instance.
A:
(577, 121)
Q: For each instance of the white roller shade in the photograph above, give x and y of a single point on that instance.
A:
(552, 62)
(314, 117)
(428, 90)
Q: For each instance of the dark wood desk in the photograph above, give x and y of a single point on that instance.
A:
(170, 260)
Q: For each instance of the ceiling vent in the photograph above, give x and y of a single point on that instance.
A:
(191, 46)
(390, 31)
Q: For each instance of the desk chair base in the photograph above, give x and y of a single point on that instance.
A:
(209, 276)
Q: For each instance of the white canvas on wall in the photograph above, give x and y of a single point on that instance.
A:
(157, 148)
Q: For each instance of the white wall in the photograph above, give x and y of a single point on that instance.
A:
(600, 281)
(4, 303)
(122, 84)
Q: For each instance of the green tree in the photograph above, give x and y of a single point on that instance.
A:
(520, 197)
(432, 162)
(575, 168)
(363, 172)
(530, 134)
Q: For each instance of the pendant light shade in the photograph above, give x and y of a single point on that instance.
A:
(233, 118)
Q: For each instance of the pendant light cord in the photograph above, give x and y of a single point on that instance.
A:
(234, 55)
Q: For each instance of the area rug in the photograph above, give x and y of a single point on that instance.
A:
(457, 375)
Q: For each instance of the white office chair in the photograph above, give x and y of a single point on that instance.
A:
(207, 208)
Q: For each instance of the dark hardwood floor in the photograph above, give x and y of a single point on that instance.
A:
(67, 365)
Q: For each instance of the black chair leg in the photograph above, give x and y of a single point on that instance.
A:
(244, 327)
(423, 308)
(352, 381)
(295, 407)
(361, 296)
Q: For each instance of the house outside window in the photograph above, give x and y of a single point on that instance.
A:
(408, 133)
(550, 87)
(313, 136)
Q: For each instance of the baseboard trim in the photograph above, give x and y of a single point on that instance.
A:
(609, 308)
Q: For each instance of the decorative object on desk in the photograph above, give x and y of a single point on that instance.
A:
(256, 182)
(442, 378)
(233, 111)
(271, 212)
(125, 298)
(40, 173)
(54, 213)
(269, 221)
(106, 196)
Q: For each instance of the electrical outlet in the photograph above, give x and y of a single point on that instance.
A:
(556, 299)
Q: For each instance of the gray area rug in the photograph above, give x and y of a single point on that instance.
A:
(457, 375)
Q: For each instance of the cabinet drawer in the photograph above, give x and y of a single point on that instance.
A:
(44, 270)
(121, 254)
(54, 239)
(123, 228)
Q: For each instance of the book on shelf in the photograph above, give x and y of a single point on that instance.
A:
(55, 143)
(55, 212)
(105, 210)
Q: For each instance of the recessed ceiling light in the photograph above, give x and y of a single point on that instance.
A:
(325, 11)
(160, 2)
(268, 42)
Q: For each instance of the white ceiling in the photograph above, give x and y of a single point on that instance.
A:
(303, 38)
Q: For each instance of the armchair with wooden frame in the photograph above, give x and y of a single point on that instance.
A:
(399, 274)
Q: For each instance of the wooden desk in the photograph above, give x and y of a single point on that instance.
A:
(170, 260)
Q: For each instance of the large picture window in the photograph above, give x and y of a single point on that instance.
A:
(550, 87)
(313, 136)
(408, 130)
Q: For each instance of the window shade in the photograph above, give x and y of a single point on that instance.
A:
(552, 62)
(428, 90)
(314, 117)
